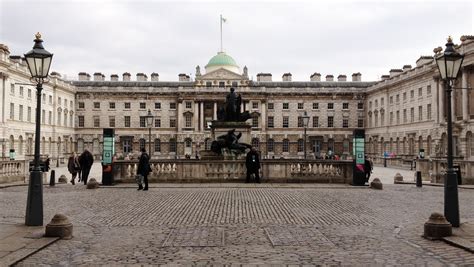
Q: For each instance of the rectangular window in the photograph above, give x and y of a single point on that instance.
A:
(142, 105)
(391, 118)
(360, 123)
(111, 105)
(330, 105)
(376, 103)
(382, 102)
(157, 105)
(270, 105)
(70, 104)
(345, 105)
(12, 89)
(398, 117)
(126, 105)
(96, 105)
(12, 111)
(157, 122)
(29, 93)
(126, 121)
(59, 101)
(188, 104)
(81, 105)
(221, 84)
(21, 91)
(50, 117)
(300, 122)
(412, 94)
(142, 121)
(20, 113)
(428, 112)
(420, 113)
(404, 116)
(65, 119)
(404, 96)
(428, 90)
(315, 122)
(271, 122)
(96, 122)
(345, 123)
(398, 98)
(208, 84)
(43, 116)
(360, 105)
(315, 105)
(286, 106)
(173, 105)
(285, 121)
(188, 120)
(255, 122)
(420, 91)
(28, 116)
(81, 121)
(172, 122)
(112, 122)
(70, 120)
(254, 105)
(330, 121)
(391, 100)
(412, 114)
(300, 105)
(234, 84)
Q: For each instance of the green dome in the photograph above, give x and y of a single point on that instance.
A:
(221, 59)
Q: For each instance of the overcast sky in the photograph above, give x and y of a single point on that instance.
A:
(172, 37)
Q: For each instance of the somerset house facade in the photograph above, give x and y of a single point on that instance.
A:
(401, 113)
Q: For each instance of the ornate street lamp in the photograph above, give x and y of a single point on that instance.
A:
(39, 61)
(449, 63)
(305, 125)
(149, 123)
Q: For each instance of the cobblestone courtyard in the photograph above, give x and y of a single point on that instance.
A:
(243, 224)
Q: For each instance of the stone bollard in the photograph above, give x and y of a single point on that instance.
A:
(52, 179)
(397, 178)
(376, 184)
(59, 227)
(437, 227)
(62, 179)
(92, 184)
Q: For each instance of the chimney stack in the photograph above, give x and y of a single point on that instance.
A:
(357, 77)
(114, 77)
(329, 78)
(264, 77)
(83, 76)
(286, 77)
(315, 77)
(342, 78)
(155, 77)
(126, 77)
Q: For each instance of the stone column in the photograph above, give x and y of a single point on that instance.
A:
(179, 116)
(264, 115)
(214, 117)
(441, 99)
(465, 96)
(196, 116)
(201, 116)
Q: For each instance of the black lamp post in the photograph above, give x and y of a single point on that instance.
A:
(449, 63)
(305, 125)
(39, 61)
(149, 123)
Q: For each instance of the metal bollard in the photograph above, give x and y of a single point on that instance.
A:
(52, 179)
(418, 179)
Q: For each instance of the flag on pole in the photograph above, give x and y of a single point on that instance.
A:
(223, 19)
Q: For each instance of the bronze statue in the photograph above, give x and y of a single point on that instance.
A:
(229, 141)
(232, 109)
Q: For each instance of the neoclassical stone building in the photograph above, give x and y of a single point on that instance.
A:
(401, 113)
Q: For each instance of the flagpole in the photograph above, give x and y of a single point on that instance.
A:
(221, 34)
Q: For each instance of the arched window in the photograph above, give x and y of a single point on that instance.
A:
(397, 146)
(80, 145)
(141, 143)
(50, 146)
(43, 145)
(188, 142)
(157, 145)
(300, 145)
(12, 142)
(20, 145)
(469, 145)
(256, 143)
(286, 145)
(404, 145)
(208, 143)
(428, 145)
(270, 145)
(443, 144)
(331, 145)
(420, 143)
(59, 146)
(345, 146)
(173, 145)
(95, 147)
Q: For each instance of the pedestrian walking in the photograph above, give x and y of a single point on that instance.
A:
(86, 160)
(79, 172)
(73, 166)
(252, 162)
(46, 164)
(367, 168)
(144, 169)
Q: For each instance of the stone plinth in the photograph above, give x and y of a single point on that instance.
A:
(397, 178)
(437, 227)
(62, 179)
(59, 227)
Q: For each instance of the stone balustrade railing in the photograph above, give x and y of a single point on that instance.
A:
(284, 170)
(434, 170)
(12, 171)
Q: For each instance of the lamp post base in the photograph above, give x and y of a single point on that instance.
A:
(451, 202)
(34, 204)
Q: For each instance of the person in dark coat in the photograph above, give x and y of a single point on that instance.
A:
(73, 166)
(144, 169)
(46, 164)
(252, 162)
(367, 168)
(86, 160)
